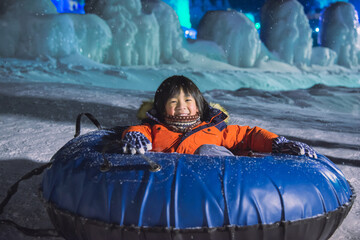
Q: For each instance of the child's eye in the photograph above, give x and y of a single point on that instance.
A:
(188, 100)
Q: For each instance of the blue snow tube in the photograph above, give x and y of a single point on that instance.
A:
(95, 195)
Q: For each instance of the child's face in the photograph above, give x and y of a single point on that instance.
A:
(181, 105)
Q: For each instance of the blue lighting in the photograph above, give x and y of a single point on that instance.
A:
(189, 32)
(182, 9)
(69, 6)
(250, 16)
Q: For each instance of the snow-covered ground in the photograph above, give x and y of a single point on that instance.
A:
(41, 99)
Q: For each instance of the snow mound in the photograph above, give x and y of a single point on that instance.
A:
(206, 48)
(323, 56)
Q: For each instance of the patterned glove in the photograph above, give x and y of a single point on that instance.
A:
(135, 142)
(283, 145)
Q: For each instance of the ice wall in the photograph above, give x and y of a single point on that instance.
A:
(141, 36)
(235, 33)
(121, 16)
(170, 33)
(122, 33)
(285, 31)
(32, 29)
(340, 32)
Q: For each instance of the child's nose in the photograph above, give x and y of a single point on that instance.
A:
(181, 104)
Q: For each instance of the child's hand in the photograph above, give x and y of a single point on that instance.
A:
(135, 142)
(283, 145)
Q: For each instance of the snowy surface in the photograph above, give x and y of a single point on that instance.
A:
(52, 67)
(41, 99)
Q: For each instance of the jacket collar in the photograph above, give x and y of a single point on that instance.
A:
(215, 116)
(151, 115)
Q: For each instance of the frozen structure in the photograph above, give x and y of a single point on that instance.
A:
(34, 29)
(140, 36)
(323, 56)
(170, 34)
(340, 32)
(148, 32)
(235, 33)
(207, 48)
(122, 18)
(285, 31)
(122, 33)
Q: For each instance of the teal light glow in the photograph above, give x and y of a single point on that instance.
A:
(326, 3)
(257, 26)
(250, 16)
(182, 9)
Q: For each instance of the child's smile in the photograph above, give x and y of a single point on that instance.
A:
(181, 105)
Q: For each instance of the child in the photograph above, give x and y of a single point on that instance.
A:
(182, 121)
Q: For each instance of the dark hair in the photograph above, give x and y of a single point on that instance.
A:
(172, 86)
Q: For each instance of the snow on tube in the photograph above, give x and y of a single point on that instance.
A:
(191, 196)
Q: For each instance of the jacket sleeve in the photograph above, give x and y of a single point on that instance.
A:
(243, 138)
(144, 129)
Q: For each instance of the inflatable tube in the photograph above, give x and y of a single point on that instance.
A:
(95, 195)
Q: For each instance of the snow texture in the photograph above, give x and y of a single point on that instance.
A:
(41, 99)
(323, 56)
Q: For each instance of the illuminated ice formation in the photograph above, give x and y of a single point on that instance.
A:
(340, 31)
(121, 32)
(285, 31)
(34, 29)
(140, 35)
(235, 33)
(170, 43)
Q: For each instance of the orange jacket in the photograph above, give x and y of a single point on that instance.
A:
(236, 138)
